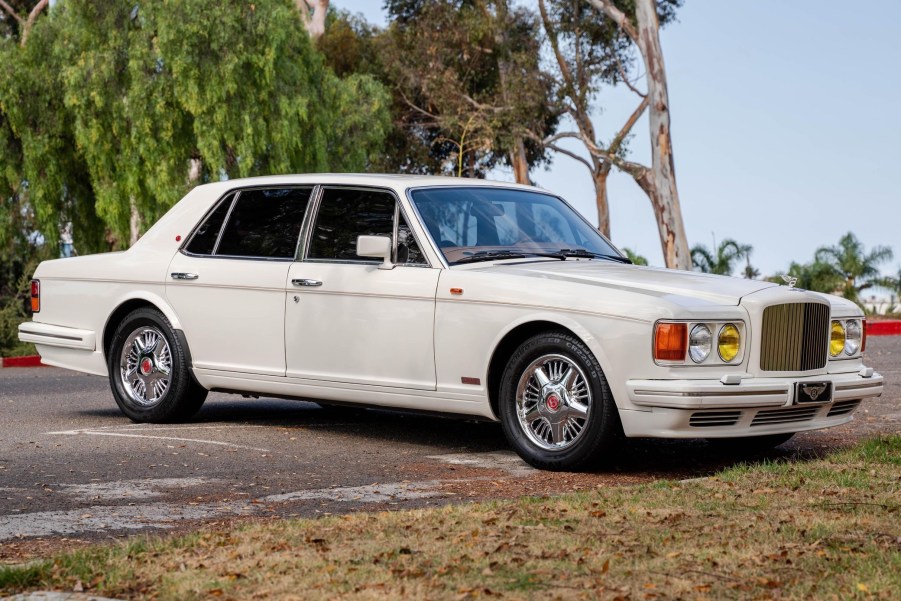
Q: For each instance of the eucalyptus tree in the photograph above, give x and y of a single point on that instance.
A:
(642, 28)
(596, 48)
(17, 17)
(468, 85)
(720, 260)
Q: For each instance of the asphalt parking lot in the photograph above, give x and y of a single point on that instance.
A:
(74, 470)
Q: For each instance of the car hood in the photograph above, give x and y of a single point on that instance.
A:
(654, 281)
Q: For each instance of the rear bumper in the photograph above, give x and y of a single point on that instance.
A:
(756, 407)
(71, 348)
(50, 335)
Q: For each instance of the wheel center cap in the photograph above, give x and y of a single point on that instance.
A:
(553, 402)
(146, 366)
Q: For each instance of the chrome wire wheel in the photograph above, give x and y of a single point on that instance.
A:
(145, 366)
(553, 402)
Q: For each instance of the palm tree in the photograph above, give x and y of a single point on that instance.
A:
(722, 263)
(750, 272)
(853, 266)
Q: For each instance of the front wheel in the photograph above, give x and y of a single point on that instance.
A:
(149, 372)
(555, 405)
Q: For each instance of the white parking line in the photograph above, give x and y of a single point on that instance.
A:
(129, 490)
(371, 493)
(164, 515)
(505, 461)
(151, 427)
(175, 438)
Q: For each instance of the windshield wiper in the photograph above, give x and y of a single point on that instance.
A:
(490, 255)
(579, 253)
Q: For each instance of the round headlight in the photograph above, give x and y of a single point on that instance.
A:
(728, 343)
(852, 336)
(836, 339)
(699, 343)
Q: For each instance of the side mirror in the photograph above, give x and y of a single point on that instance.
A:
(377, 247)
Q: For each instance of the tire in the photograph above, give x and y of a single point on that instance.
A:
(149, 372)
(750, 444)
(565, 418)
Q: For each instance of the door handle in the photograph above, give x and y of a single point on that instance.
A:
(306, 282)
(179, 275)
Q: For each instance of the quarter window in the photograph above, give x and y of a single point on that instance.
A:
(204, 239)
(265, 223)
(408, 252)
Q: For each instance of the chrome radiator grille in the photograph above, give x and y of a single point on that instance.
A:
(795, 337)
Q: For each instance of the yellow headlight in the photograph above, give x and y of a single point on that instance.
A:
(836, 339)
(729, 342)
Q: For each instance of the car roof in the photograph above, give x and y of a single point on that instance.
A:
(362, 179)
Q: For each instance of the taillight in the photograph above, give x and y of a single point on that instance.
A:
(670, 341)
(35, 296)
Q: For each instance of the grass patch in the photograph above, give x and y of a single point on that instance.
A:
(825, 528)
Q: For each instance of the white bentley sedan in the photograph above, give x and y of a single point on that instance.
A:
(447, 295)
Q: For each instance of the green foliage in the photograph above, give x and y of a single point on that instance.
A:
(722, 261)
(107, 105)
(13, 312)
(815, 276)
(636, 258)
(846, 269)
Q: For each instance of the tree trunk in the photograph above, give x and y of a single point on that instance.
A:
(520, 162)
(599, 177)
(134, 223)
(195, 168)
(665, 198)
(312, 13)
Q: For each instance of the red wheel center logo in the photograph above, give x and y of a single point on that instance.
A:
(553, 402)
(146, 366)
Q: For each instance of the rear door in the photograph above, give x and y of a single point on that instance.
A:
(227, 284)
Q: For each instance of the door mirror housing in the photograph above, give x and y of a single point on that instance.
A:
(377, 247)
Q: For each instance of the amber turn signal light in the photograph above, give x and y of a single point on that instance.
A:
(670, 341)
(35, 296)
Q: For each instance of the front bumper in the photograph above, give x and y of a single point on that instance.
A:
(755, 407)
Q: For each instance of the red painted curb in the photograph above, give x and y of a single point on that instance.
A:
(884, 328)
(31, 361)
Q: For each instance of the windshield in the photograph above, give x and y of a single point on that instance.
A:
(471, 223)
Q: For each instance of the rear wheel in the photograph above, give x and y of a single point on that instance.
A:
(556, 407)
(149, 372)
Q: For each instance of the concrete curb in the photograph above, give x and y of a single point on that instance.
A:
(30, 361)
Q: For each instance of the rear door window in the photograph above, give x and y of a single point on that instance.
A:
(265, 223)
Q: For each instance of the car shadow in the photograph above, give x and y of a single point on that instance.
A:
(652, 458)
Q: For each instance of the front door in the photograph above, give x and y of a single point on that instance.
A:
(348, 321)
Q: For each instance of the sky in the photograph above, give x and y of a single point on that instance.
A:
(786, 129)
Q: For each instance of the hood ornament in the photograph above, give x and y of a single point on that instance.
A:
(790, 280)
